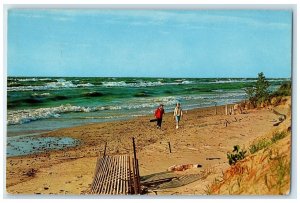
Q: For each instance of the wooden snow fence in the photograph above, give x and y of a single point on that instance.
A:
(116, 175)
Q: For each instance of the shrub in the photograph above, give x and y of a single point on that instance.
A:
(236, 155)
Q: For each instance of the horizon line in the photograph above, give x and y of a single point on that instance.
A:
(139, 77)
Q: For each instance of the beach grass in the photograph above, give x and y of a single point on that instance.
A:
(265, 142)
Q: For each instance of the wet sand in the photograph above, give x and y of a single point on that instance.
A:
(203, 138)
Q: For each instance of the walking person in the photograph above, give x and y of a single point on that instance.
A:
(177, 114)
(159, 112)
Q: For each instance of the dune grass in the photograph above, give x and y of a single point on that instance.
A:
(263, 143)
(267, 172)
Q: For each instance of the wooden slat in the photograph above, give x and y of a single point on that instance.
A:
(117, 176)
(125, 175)
(114, 176)
(96, 174)
(102, 172)
(124, 180)
(99, 174)
(118, 173)
(103, 183)
(129, 176)
(98, 168)
(120, 177)
(134, 176)
(107, 182)
(138, 176)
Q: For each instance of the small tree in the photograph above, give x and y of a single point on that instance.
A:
(259, 93)
(262, 85)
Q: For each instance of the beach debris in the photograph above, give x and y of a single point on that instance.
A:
(281, 118)
(183, 167)
(226, 122)
(192, 148)
(31, 172)
(170, 147)
(212, 158)
(180, 181)
(153, 183)
(165, 180)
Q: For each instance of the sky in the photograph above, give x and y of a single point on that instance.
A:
(149, 43)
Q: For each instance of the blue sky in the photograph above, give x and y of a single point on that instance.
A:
(149, 43)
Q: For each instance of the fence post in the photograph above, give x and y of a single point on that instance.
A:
(104, 153)
(136, 173)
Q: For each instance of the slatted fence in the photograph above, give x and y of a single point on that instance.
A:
(116, 175)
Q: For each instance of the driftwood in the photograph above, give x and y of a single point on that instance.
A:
(281, 118)
(212, 158)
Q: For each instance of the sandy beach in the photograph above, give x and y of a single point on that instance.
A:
(81, 85)
(203, 138)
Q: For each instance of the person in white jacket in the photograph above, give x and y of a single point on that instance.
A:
(177, 114)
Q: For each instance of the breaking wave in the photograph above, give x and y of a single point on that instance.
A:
(145, 84)
(25, 116)
(59, 84)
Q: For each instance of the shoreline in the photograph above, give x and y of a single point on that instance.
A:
(202, 135)
(105, 120)
(43, 134)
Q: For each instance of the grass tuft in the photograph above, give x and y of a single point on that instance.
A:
(278, 136)
(261, 144)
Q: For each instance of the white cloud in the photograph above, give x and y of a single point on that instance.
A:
(193, 19)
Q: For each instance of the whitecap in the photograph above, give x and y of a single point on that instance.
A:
(59, 84)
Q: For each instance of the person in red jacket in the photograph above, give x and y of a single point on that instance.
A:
(159, 112)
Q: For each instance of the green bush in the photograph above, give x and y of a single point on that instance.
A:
(236, 155)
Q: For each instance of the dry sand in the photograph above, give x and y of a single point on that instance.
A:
(202, 135)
